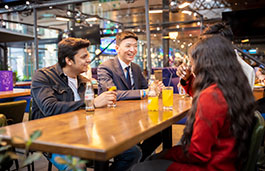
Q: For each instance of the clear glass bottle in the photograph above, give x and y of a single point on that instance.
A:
(89, 97)
(152, 99)
(151, 80)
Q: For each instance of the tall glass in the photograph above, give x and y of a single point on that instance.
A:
(167, 98)
(152, 103)
(113, 88)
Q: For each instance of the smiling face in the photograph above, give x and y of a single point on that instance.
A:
(127, 50)
(81, 61)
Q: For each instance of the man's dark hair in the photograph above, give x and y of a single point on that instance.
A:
(68, 48)
(125, 35)
(219, 29)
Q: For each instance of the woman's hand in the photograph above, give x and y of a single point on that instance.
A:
(184, 71)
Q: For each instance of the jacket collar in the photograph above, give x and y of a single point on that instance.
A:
(119, 71)
(80, 78)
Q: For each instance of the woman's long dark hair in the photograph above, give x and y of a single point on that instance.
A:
(215, 62)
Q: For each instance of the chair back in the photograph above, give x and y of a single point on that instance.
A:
(14, 111)
(257, 138)
(30, 110)
(3, 121)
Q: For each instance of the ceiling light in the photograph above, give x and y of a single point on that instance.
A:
(97, 51)
(185, 4)
(62, 19)
(27, 2)
(173, 6)
(50, 7)
(91, 19)
(158, 28)
(68, 13)
(198, 23)
(155, 11)
(177, 26)
(245, 40)
(187, 12)
(173, 35)
(99, 5)
(6, 7)
(190, 35)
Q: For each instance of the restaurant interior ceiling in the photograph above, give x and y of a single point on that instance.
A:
(127, 14)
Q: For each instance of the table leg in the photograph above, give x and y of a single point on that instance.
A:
(167, 138)
(101, 166)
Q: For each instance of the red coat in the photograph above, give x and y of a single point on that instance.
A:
(188, 85)
(212, 144)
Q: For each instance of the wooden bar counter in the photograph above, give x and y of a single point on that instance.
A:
(101, 135)
(16, 92)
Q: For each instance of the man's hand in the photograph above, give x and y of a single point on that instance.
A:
(184, 71)
(157, 85)
(107, 97)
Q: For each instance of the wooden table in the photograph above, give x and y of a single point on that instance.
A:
(23, 83)
(258, 92)
(14, 93)
(102, 135)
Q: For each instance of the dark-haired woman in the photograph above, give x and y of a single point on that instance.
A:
(219, 125)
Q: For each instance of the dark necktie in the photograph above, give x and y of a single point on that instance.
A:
(128, 77)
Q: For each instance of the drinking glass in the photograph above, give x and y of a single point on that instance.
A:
(112, 88)
(167, 98)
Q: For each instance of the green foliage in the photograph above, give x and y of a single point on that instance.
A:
(31, 158)
(73, 163)
(6, 154)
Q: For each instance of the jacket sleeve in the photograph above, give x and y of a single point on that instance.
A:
(209, 119)
(105, 80)
(187, 85)
(44, 95)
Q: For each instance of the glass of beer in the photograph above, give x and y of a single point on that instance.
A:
(112, 88)
(167, 98)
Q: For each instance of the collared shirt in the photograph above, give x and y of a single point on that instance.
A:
(124, 65)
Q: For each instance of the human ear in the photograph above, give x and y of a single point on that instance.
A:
(68, 61)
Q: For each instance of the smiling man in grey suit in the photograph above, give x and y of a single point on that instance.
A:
(121, 71)
(129, 80)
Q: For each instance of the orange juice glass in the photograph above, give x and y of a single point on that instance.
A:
(167, 98)
(153, 103)
(113, 88)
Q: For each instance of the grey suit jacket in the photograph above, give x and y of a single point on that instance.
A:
(110, 73)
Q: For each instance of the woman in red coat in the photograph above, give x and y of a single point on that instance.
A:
(220, 121)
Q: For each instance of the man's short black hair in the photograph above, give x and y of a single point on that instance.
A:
(68, 48)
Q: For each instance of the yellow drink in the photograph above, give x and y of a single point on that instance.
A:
(167, 97)
(152, 103)
(167, 114)
(153, 115)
